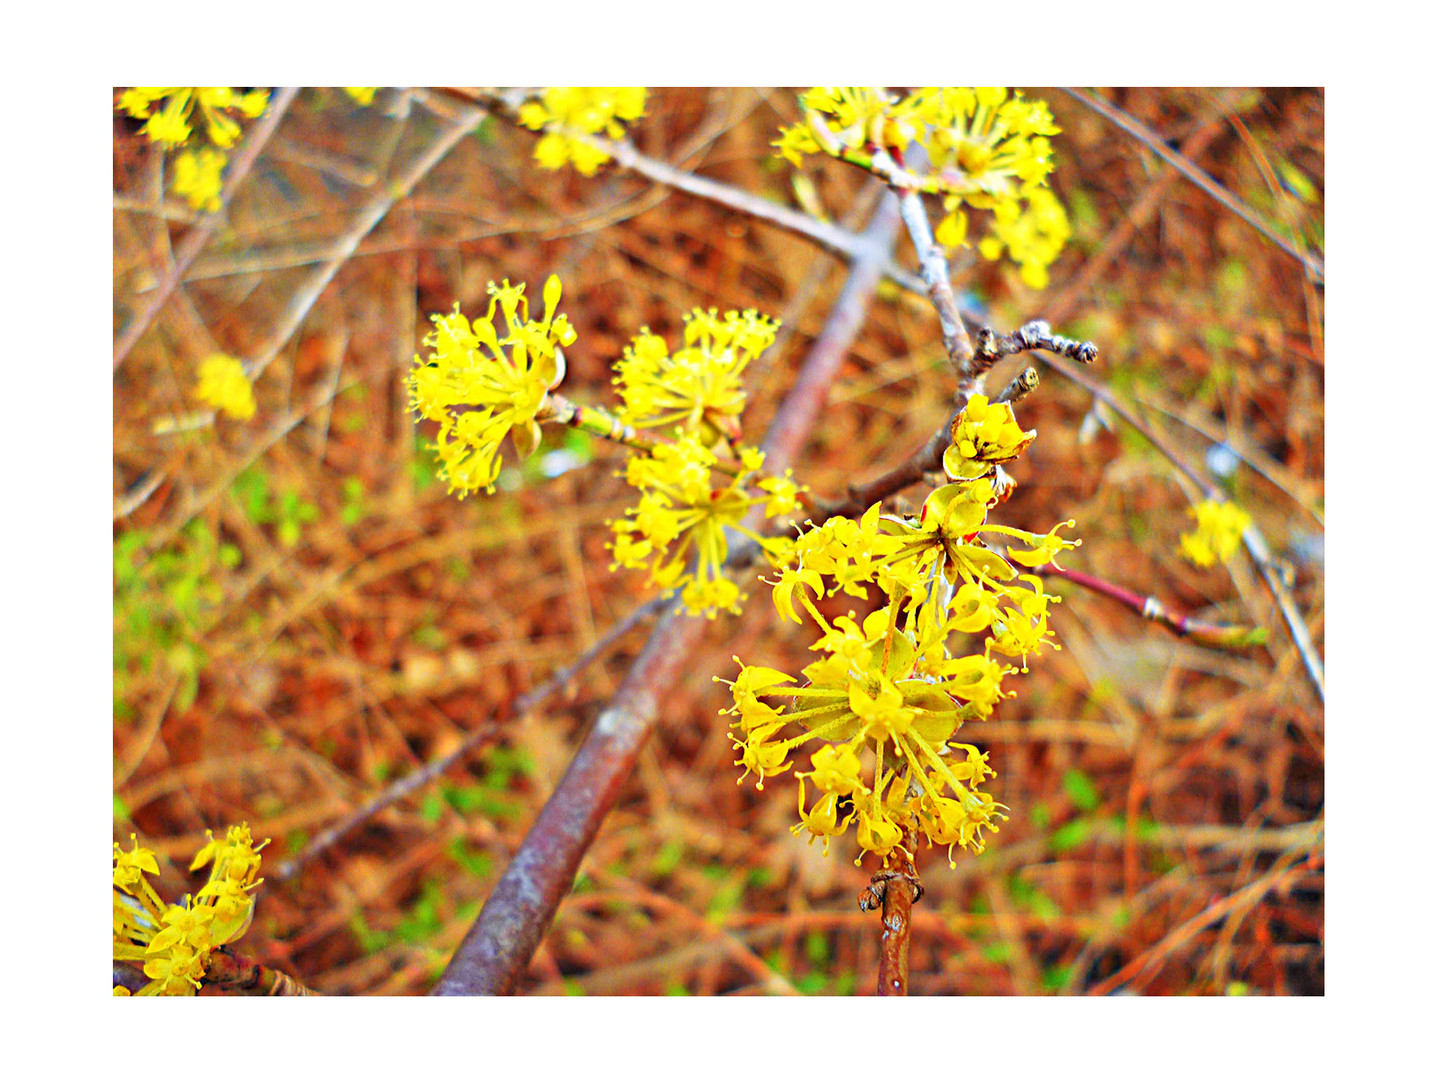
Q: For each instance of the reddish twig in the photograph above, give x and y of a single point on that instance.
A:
(1214, 635)
(1254, 541)
(197, 237)
(497, 949)
(895, 889)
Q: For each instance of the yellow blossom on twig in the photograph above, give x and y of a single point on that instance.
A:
(564, 112)
(480, 386)
(224, 385)
(1220, 525)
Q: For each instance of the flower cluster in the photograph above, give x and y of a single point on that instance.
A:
(677, 529)
(1219, 526)
(889, 692)
(169, 113)
(480, 386)
(174, 941)
(565, 112)
(224, 385)
(697, 387)
(987, 150)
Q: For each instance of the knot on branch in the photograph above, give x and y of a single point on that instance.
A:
(991, 347)
(872, 896)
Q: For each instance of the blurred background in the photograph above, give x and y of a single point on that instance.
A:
(303, 616)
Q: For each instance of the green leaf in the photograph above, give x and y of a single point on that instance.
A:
(1071, 835)
(1081, 790)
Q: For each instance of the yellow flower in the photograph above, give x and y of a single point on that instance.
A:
(362, 95)
(986, 150)
(173, 942)
(1221, 525)
(197, 177)
(564, 111)
(1037, 550)
(699, 386)
(171, 124)
(224, 385)
(982, 436)
(1034, 234)
(481, 387)
(1022, 630)
(678, 526)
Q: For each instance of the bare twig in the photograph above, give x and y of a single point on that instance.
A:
(990, 347)
(483, 735)
(896, 889)
(495, 953)
(1197, 176)
(197, 237)
(1254, 541)
(1289, 868)
(1214, 635)
(833, 238)
(934, 268)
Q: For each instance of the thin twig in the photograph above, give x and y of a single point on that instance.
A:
(895, 889)
(1281, 877)
(832, 237)
(497, 949)
(1254, 541)
(1214, 635)
(525, 703)
(934, 269)
(197, 237)
(1197, 176)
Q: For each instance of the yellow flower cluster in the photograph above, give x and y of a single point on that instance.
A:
(481, 387)
(566, 111)
(889, 693)
(987, 150)
(174, 941)
(169, 113)
(361, 95)
(224, 385)
(699, 386)
(1219, 527)
(678, 527)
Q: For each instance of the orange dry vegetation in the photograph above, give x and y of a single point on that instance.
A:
(307, 615)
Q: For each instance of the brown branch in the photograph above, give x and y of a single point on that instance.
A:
(896, 889)
(1196, 176)
(497, 949)
(197, 237)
